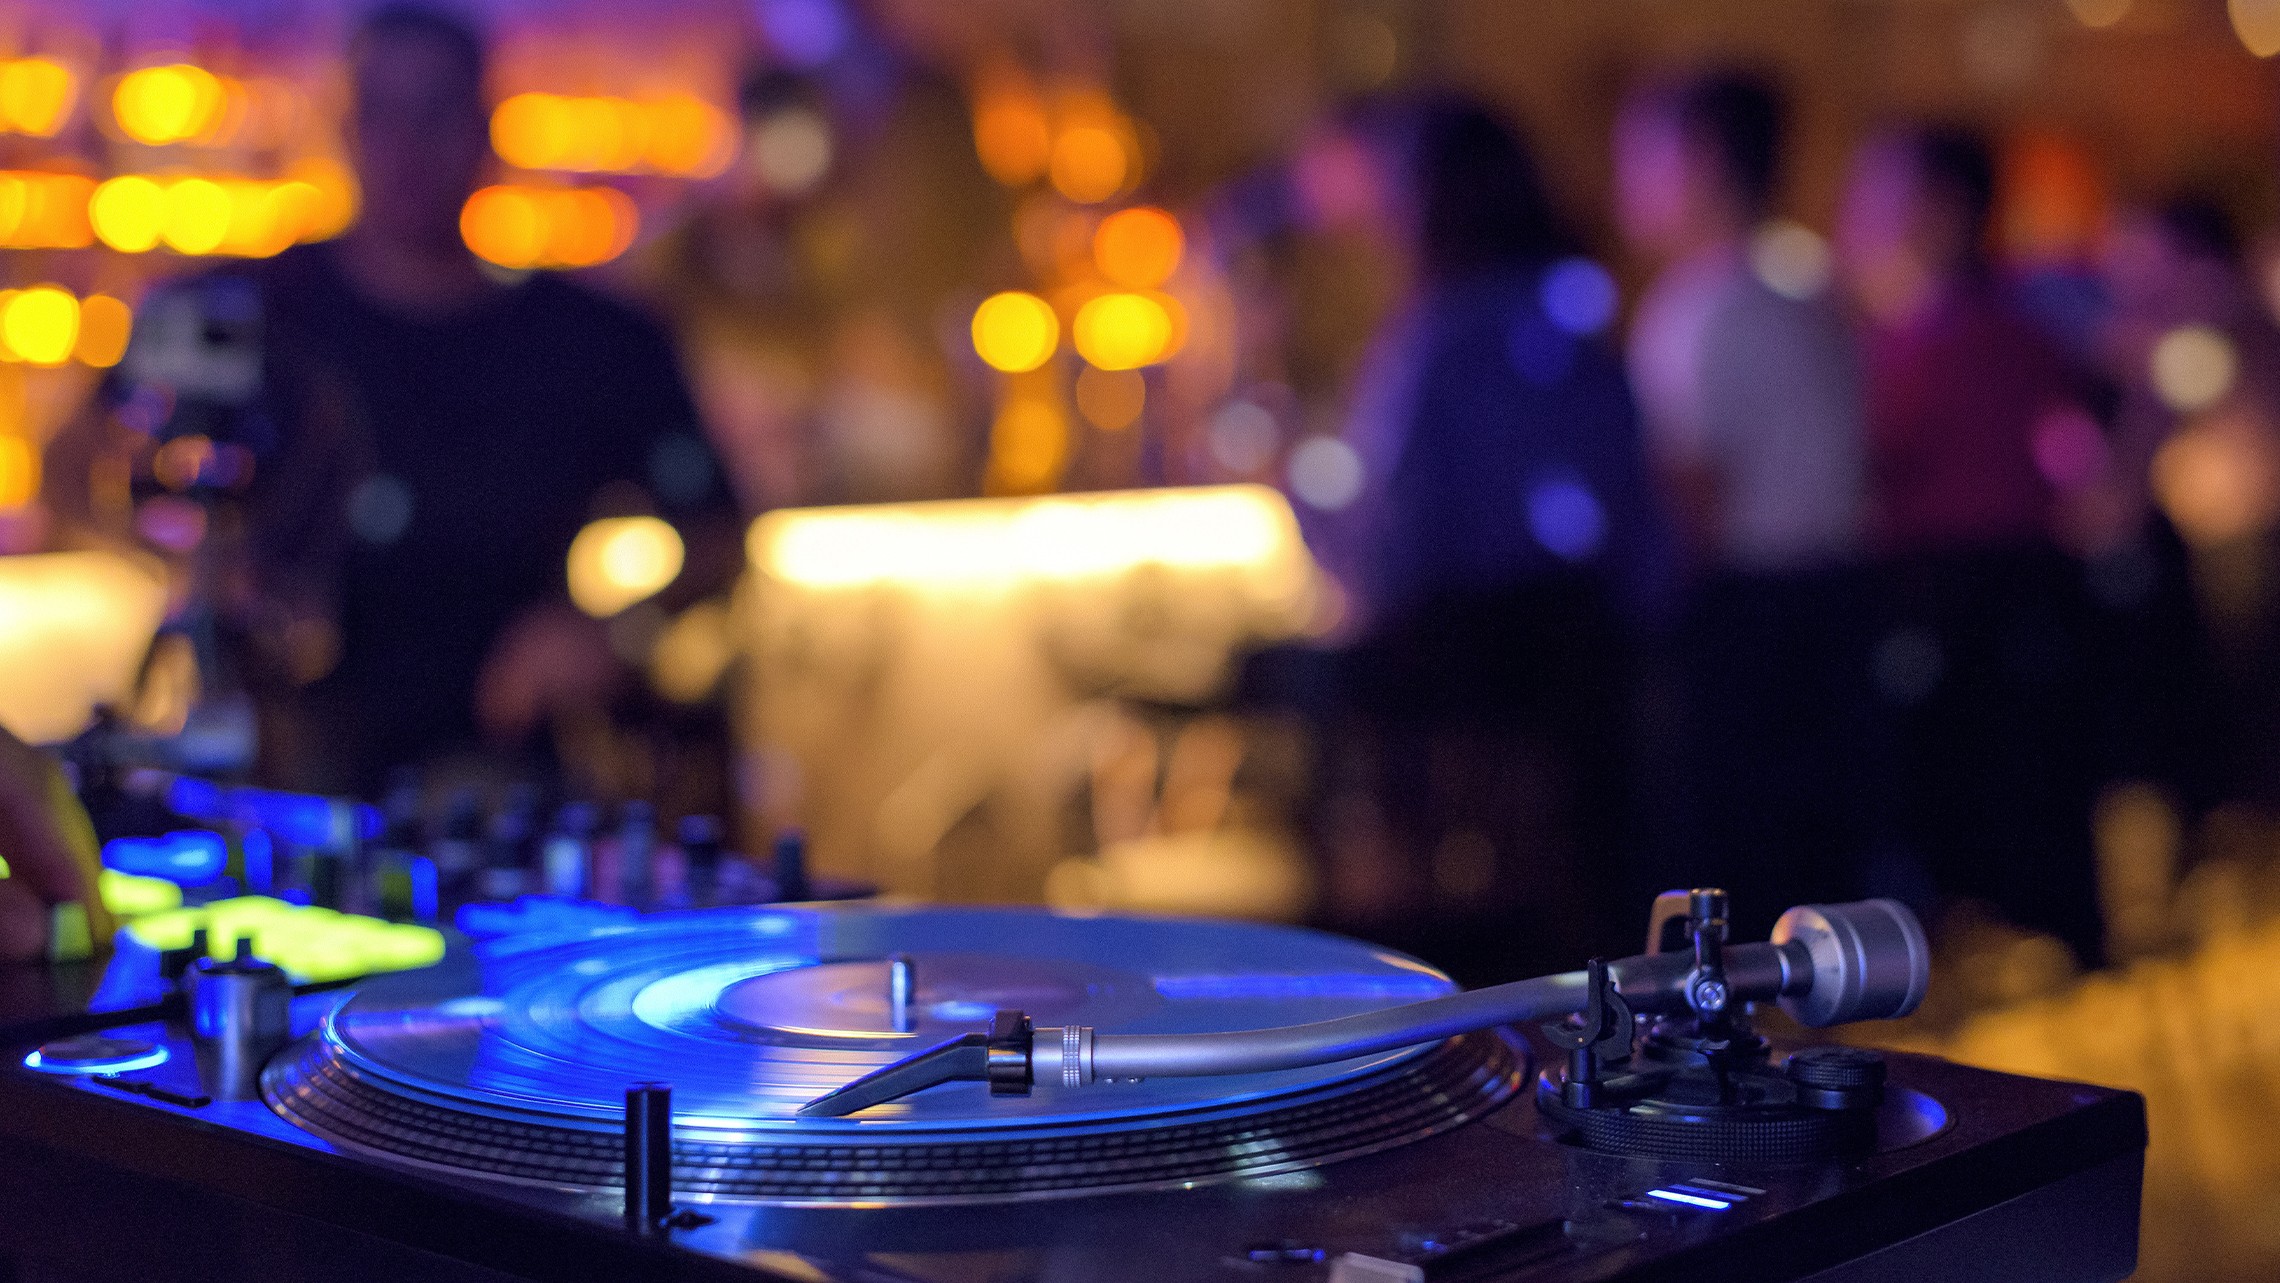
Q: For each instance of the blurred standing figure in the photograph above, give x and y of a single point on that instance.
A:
(428, 437)
(2197, 357)
(1750, 389)
(1973, 416)
(1504, 544)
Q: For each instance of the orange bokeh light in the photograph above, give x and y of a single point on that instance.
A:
(1138, 248)
(525, 227)
(1090, 163)
(681, 135)
(1012, 135)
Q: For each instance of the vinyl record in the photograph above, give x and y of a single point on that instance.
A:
(514, 1062)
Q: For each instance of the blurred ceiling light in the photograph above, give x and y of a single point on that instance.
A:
(525, 227)
(1325, 473)
(2257, 23)
(792, 150)
(1790, 259)
(36, 96)
(74, 629)
(40, 210)
(680, 135)
(617, 561)
(2099, 13)
(1015, 332)
(991, 543)
(1123, 331)
(1012, 136)
(1090, 163)
(1111, 400)
(171, 104)
(40, 325)
(2193, 367)
(1029, 445)
(1138, 248)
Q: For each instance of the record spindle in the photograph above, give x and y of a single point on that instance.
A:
(648, 1155)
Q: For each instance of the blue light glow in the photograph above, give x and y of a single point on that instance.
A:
(191, 857)
(1565, 517)
(808, 33)
(1579, 296)
(1691, 1200)
(1269, 987)
(151, 1059)
(426, 899)
(304, 819)
(260, 861)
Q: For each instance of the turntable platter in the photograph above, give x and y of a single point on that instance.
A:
(514, 1063)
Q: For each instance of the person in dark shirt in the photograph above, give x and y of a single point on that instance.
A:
(1982, 659)
(429, 437)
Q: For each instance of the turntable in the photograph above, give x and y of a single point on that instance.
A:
(946, 1095)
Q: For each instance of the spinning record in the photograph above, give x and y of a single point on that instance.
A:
(514, 1062)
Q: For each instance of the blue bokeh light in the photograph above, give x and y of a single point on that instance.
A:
(1579, 296)
(1566, 517)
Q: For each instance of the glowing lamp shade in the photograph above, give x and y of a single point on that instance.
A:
(618, 561)
(171, 104)
(40, 325)
(1138, 248)
(1015, 332)
(74, 627)
(1123, 331)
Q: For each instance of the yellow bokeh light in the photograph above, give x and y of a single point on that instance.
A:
(501, 225)
(1111, 399)
(1012, 136)
(2193, 367)
(171, 104)
(127, 212)
(1138, 248)
(36, 96)
(40, 325)
(2257, 23)
(617, 561)
(1015, 332)
(693, 653)
(197, 217)
(40, 210)
(1090, 163)
(1029, 446)
(104, 325)
(529, 130)
(1123, 331)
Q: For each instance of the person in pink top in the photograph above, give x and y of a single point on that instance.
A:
(1974, 423)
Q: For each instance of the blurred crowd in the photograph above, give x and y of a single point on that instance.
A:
(1811, 566)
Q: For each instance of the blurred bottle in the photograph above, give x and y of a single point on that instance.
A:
(567, 858)
(700, 857)
(636, 849)
(507, 842)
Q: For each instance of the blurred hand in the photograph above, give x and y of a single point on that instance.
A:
(550, 662)
(42, 872)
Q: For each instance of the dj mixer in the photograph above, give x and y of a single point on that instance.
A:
(870, 1092)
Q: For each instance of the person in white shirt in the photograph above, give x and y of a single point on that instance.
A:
(1749, 386)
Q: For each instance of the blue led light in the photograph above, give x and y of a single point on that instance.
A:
(260, 861)
(191, 857)
(151, 1059)
(426, 900)
(304, 819)
(1579, 296)
(1566, 518)
(1691, 1200)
